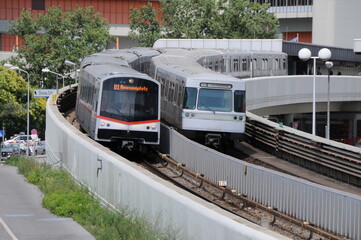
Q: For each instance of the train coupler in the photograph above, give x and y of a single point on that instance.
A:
(213, 140)
(129, 145)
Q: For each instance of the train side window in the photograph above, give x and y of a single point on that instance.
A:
(239, 101)
(175, 93)
(203, 62)
(235, 65)
(284, 64)
(279, 64)
(216, 66)
(92, 94)
(264, 64)
(86, 92)
(179, 98)
(244, 64)
(223, 65)
(358, 129)
(166, 89)
(171, 92)
(276, 64)
(162, 83)
(190, 97)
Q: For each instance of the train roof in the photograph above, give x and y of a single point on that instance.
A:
(130, 55)
(179, 64)
(183, 66)
(106, 70)
(197, 54)
(97, 59)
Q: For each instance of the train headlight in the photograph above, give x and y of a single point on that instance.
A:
(192, 114)
(241, 118)
(187, 114)
(154, 127)
(102, 124)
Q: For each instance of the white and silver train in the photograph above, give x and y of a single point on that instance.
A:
(201, 91)
(116, 103)
(243, 64)
(202, 104)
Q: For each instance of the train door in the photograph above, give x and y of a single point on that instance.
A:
(178, 101)
(94, 101)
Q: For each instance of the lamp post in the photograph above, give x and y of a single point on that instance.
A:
(28, 104)
(70, 63)
(10, 68)
(329, 65)
(305, 54)
(45, 70)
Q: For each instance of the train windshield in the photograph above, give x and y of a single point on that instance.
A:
(215, 100)
(129, 99)
(240, 101)
(190, 98)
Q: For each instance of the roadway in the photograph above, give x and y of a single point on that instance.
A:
(23, 218)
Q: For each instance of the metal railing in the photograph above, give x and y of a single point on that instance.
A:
(330, 209)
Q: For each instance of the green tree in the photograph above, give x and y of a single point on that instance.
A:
(145, 28)
(243, 19)
(191, 18)
(56, 36)
(235, 19)
(13, 105)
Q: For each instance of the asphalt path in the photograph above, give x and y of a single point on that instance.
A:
(23, 218)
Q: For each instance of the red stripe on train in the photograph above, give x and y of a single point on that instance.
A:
(128, 123)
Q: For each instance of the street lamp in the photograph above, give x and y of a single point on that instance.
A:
(329, 65)
(305, 54)
(28, 108)
(46, 70)
(70, 63)
(10, 68)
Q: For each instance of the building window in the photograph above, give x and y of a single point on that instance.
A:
(284, 3)
(38, 4)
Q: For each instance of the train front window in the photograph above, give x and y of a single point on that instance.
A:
(215, 100)
(190, 97)
(129, 99)
(239, 101)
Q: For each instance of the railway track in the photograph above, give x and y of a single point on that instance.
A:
(322, 158)
(229, 200)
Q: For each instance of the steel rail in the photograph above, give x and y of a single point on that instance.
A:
(246, 202)
(318, 157)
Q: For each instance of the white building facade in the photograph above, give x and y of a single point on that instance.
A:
(324, 22)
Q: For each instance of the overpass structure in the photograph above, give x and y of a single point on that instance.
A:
(290, 96)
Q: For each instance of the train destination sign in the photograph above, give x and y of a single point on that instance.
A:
(134, 88)
(43, 92)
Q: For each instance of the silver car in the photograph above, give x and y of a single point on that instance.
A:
(39, 148)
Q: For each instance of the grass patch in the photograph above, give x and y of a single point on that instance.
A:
(64, 197)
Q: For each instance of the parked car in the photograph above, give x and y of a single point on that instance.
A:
(39, 148)
(9, 150)
(21, 139)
